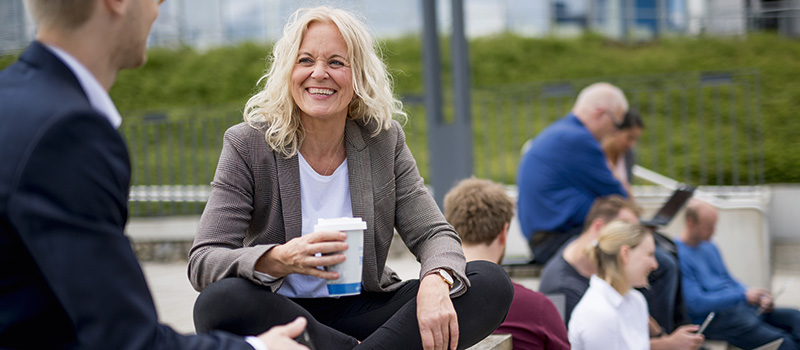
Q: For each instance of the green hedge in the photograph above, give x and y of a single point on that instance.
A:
(185, 79)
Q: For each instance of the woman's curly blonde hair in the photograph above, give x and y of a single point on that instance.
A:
(274, 111)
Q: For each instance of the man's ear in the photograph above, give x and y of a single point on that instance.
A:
(597, 225)
(116, 7)
(503, 236)
(691, 224)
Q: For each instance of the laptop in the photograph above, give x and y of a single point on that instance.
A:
(773, 345)
(674, 204)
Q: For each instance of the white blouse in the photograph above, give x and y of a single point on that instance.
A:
(604, 319)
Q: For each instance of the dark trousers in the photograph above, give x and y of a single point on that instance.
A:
(743, 327)
(381, 320)
(545, 244)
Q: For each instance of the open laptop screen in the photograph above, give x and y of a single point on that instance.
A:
(671, 207)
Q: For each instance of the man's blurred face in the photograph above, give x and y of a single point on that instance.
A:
(706, 225)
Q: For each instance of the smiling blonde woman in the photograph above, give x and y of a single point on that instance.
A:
(611, 314)
(321, 141)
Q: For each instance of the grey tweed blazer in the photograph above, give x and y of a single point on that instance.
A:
(255, 205)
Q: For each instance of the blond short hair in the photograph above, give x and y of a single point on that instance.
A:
(605, 253)
(61, 14)
(274, 111)
(478, 209)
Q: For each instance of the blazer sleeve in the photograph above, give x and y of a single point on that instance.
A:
(69, 208)
(218, 250)
(419, 221)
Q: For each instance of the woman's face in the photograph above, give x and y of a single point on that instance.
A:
(641, 261)
(623, 140)
(322, 83)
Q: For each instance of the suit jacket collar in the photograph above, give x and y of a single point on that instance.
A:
(359, 166)
(38, 56)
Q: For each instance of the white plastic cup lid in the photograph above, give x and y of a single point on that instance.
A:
(340, 224)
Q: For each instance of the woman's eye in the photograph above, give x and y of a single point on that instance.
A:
(306, 61)
(335, 64)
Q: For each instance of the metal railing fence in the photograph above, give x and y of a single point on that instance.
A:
(701, 128)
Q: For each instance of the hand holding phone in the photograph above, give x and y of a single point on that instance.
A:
(305, 339)
(706, 322)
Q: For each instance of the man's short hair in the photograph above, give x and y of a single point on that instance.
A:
(601, 95)
(478, 209)
(607, 208)
(62, 14)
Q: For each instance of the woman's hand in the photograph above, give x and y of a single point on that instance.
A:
(438, 324)
(299, 255)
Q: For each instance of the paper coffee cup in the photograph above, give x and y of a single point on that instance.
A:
(349, 281)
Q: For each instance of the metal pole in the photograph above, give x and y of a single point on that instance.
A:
(449, 146)
(433, 82)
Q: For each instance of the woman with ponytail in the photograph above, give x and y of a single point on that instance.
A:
(613, 315)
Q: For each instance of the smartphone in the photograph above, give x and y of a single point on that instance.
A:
(706, 322)
(305, 339)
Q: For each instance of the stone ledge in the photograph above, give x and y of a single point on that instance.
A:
(494, 342)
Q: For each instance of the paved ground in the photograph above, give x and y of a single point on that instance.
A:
(168, 238)
(174, 296)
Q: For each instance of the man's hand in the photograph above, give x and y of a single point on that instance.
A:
(766, 303)
(685, 337)
(282, 337)
(754, 295)
(438, 324)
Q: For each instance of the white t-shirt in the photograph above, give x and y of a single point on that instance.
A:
(324, 197)
(604, 319)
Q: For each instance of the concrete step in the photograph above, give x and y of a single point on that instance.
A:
(494, 342)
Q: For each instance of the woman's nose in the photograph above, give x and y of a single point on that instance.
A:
(319, 71)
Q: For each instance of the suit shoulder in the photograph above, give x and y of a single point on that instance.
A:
(373, 132)
(243, 131)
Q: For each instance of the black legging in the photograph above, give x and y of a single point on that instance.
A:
(380, 320)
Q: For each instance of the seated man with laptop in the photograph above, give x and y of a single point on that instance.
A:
(569, 271)
(745, 317)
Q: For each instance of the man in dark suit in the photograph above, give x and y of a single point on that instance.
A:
(68, 276)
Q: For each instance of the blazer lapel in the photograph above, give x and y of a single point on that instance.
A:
(289, 187)
(360, 178)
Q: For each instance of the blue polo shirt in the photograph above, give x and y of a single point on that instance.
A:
(560, 176)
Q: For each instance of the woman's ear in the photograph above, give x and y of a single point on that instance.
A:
(625, 253)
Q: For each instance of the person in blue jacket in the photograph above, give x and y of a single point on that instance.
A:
(745, 317)
(565, 170)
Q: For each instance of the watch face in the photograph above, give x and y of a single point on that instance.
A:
(446, 276)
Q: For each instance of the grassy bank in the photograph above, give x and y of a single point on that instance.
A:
(227, 76)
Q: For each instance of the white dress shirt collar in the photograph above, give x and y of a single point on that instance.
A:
(97, 95)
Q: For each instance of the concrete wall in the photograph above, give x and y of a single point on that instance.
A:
(742, 234)
(782, 214)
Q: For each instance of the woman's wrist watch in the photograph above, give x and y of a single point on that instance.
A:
(444, 275)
